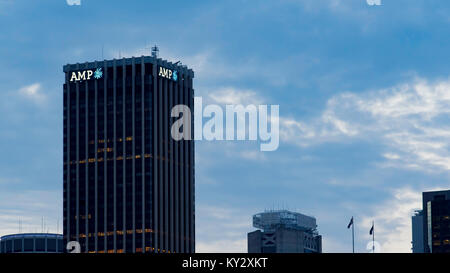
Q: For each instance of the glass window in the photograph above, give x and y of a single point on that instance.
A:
(8, 246)
(28, 245)
(17, 245)
(51, 245)
(60, 245)
(40, 244)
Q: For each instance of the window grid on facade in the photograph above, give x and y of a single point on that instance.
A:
(128, 186)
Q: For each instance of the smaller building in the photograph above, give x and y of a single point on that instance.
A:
(32, 243)
(417, 232)
(283, 231)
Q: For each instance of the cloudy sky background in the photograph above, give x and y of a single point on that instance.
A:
(364, 95)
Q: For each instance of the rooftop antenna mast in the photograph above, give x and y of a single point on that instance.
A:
(155, 51)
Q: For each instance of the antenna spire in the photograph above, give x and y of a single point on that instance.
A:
(155, 51)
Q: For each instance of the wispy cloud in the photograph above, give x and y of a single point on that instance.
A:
(222, 229)
(408, 119)
(33, 93)
(73, 2)
(234, 96)
(30, 207)
(393, 221)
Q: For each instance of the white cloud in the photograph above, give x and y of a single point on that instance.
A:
(373, 2)
(73, 2)
(393, 221)
(234, 96)
(29, 207)
(410, 120)
(33, 93)
(222, 229)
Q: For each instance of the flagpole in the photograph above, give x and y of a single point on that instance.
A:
(373, 237)
(353, 234)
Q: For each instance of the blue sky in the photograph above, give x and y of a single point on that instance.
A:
(364, 95)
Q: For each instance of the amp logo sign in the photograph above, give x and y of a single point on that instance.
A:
(168, 73)
(86, 75)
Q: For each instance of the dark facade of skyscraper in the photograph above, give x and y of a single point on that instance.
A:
(128, 186)
(436, 221)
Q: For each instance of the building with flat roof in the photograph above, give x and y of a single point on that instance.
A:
(282, 231)
(32, 243)
(417, 232)
(128, 185)
(436, 221)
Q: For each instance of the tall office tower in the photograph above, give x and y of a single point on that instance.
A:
(417, 232)
(128, 185)
(436, 221)
(284, 232)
